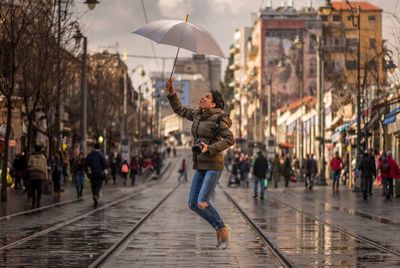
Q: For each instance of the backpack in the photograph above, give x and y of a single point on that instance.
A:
(124, 168)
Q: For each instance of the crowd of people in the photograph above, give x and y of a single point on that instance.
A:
(373, 167)
(38, 173)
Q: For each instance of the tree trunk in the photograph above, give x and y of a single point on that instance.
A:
(30, 135)
(5, 152)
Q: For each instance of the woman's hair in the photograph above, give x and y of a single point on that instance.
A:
(218, 99)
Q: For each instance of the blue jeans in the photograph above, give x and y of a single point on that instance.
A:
(79, 180)
(203, 185)
(261, 181)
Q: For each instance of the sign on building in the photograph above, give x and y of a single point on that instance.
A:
(182, 88)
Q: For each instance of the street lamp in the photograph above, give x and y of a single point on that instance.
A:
(91, 4)
(139, 118)
(78, 36)
(356, 23)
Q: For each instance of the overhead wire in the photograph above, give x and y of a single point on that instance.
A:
(152, 45)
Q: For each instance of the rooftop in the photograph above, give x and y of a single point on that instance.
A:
(366, 6)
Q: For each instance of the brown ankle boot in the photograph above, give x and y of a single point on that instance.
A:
(224, 235)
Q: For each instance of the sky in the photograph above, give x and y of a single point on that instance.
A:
(110, 25)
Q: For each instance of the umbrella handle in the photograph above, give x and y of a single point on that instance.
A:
(173, 67)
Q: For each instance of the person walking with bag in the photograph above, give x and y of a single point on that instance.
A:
(212, 136)
(38, 172)
(389, 171)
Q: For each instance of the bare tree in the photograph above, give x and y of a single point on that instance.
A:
(15, 35)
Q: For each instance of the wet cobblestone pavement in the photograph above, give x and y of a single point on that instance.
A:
(176, 237)
(311, 243)
(311, 228)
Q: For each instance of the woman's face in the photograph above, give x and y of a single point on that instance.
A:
(206, 102)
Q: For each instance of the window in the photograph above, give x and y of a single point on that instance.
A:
(372, 43)
(324, 18)
(351, 42)
(371, 18)
(336, 42)
(349, 18)
(351, 64)
(336, 18)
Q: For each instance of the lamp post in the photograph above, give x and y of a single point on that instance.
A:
(298, 42)
(139, 118)
(356, 23)
(78, 36)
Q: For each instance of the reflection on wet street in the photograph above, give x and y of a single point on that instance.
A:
(307, 241)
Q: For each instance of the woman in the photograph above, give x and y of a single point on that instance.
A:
(134, 166)
(212, 136)
(56, 175)
(79, 173)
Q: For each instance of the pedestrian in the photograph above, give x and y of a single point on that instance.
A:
(367, 172)
(235, 173)
(276, 170)
(286, 170)
(113, 168)
(183, 171)
(157, 162)
(17, 171)
(79, 174)
(125, 171)
(37, 169)
(168, 151)
(141, 164)
(389, 171)
(311, 170)
(212, 136)
(174, 151)
(134, 167)
(260, 168)
(336, 168)
(56, 175)
(244, 171)
(96, 168)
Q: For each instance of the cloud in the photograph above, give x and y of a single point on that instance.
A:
(175, 9)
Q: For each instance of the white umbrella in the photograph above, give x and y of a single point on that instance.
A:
(181, 34)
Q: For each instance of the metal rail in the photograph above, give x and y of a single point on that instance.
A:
(340, 229)
(118, 247)
(74, 219)
(279, 256)
(63, 203)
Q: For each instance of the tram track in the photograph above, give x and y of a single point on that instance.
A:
(340, 229)
(67, 202)
(108, 256)
(276, 252)
(285, 255)
(77, 218)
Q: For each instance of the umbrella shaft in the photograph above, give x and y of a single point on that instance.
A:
(173, 67)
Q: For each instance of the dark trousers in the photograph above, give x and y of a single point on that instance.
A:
(56, 184)
(96, 182)
(387, 187)
(36, 192)
(366, 184)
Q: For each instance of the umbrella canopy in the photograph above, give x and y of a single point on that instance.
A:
(181, 34)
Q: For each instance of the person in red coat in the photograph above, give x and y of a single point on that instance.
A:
(389, 171)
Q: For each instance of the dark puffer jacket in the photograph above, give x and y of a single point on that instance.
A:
(203, 128)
